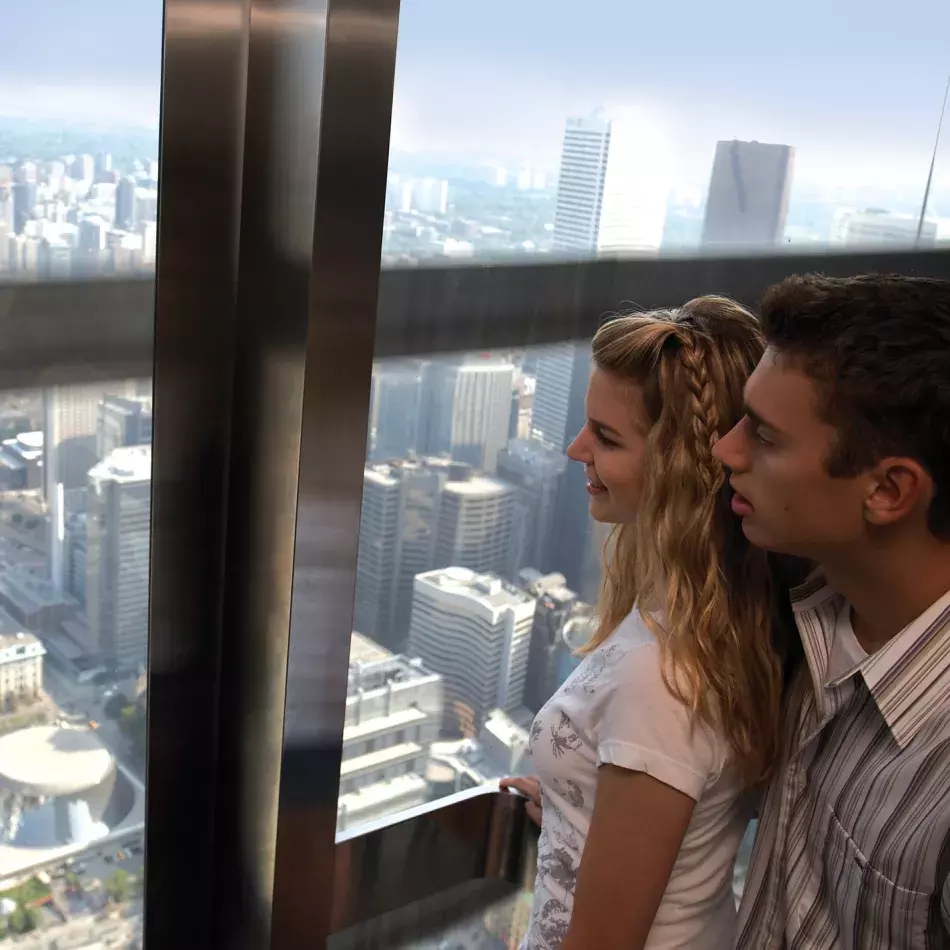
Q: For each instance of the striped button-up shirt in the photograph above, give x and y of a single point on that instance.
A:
(853, 843)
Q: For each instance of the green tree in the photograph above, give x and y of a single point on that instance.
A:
(117, 886)
(24, 919)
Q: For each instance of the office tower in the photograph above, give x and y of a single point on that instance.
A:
(6, 215)
(117, 556)
(24, 195)
(398, 525)
(475, 631)
(396, 409)
(558, 415)
(474, 525)
(123, 421)
(70, 426)
(430, 196)
(613, 186)
(91, 241)
(125, 203)
(467, 409)
(83, 168)
(393, 714)
(55, 258)
(874, 227)
(562, 624)
(103, 169)
(748, 194)
(21, 462)
(535, 471)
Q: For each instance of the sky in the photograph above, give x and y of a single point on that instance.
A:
(854, 85)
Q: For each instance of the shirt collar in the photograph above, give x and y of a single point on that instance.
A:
(909, 677)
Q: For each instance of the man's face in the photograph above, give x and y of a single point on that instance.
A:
(777, 455)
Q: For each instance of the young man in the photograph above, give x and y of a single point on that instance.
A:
(843, 457)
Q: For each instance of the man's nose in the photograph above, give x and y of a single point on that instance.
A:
(727, 449)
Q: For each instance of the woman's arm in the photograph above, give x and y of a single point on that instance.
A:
(635, 834)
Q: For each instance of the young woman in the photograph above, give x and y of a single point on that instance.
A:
(644, 754)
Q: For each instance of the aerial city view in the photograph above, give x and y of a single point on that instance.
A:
(478, 565)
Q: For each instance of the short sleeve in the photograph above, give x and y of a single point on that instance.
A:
(639, 725)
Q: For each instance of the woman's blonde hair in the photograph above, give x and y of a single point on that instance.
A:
(685, 562)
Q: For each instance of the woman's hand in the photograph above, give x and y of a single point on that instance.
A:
(529, 787)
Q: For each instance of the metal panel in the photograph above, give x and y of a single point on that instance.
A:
(102, 330)
(202, 124)
(359, 69)
(476, 835)
(319, 90)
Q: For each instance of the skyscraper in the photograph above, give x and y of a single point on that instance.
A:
(535, 471)
(613, 186)
(875, 227)
(122, 421)
(474, 525)
(117, 556)
(70, 425)
(468, 408)
(558, 415)
(396, 409)
(748, 194)
(125, 203)
(398, 525)
(475, 631)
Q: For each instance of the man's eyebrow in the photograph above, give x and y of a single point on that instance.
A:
(758, 420)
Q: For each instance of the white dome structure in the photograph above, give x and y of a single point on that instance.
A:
(48, 760)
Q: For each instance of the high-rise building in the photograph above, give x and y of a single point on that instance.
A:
(430, 196)
(83, 168)
(398, 524)
(562, 624)
(535, 470)
(613, 186)
(558, 415)
(468, 408)
(24, 195)
(6, 215)
(874, 227)
(117, 556)
(393, 714)
(123, 421)
(475, 631)
(70, 425)
(748, 194)
(396, 409)
(474, 525)
(125, 203)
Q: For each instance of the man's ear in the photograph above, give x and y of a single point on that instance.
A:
(896, 487)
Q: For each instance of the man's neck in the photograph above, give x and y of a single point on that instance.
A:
(888, 590)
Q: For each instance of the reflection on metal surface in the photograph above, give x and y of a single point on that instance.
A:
(351, 167)
(201, 130)
(476, 836)
(102, 329)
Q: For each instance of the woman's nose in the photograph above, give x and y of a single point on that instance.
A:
(579, 450)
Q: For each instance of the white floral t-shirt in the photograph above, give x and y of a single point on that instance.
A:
(615, 709)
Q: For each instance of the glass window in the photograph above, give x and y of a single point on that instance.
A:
(78, 199)
(633, 130)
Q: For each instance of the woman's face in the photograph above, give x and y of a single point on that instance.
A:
(611, 447)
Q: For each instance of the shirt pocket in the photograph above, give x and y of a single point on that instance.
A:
(870, 910)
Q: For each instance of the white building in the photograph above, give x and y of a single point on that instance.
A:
(474, 525)
(21, 664)
(874, 227)
(117, 556)
(475, 631)
(393, 714)
(613, 186)
(748, 194)
(468, 409)
(430, 196)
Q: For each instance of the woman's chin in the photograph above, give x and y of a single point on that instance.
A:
(600, 508)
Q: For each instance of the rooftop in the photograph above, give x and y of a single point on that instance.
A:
(483, 485)
(364, 650)
(486, 589)
(50, 760)
(125, 465)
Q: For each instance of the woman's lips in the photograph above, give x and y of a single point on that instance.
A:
(595, 486)
(741, 505)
